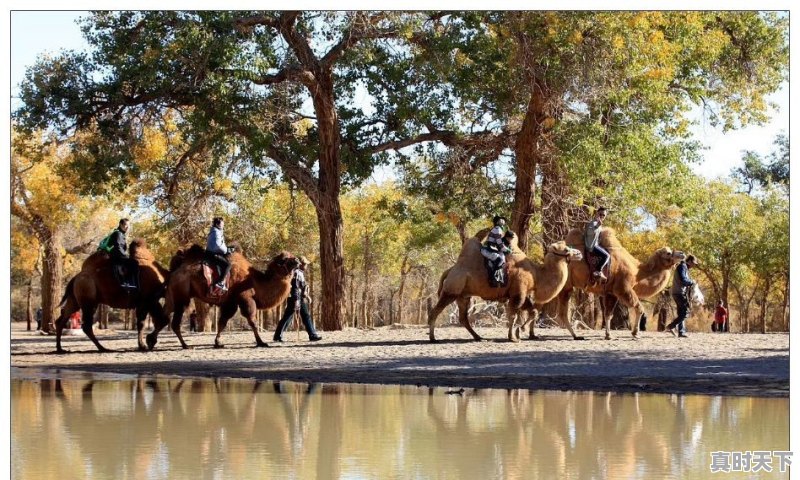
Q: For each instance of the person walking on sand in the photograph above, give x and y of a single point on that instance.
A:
(681, 283)
(297, 303)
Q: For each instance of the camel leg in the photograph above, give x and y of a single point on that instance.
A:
(88, 319)
(511, 316)
(564, 313)
(443, 302)
(630, 300)
(141, 314)
(227, 310)
(66, 312)
(463, 316)
(177, 316)
(531, 317)
(609, 302)
(249, 309)
(160, 320)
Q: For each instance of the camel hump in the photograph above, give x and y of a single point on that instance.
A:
(482, 234)
(192, 253)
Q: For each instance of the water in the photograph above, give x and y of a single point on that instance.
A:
(72, 425)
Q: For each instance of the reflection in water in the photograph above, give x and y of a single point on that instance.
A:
(83, 426)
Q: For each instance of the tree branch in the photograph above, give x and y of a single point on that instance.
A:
(298, 44)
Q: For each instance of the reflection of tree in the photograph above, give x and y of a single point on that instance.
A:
(183, 428)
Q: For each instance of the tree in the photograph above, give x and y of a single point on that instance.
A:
(554, 80)
(764, 172)
(240, 81)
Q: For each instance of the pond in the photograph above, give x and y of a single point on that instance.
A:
(74, 425)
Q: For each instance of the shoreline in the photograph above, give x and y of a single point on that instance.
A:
(706, 364)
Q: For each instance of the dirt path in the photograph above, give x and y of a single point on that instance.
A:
(705, 363)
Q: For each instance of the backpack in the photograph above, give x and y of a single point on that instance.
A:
(105, 244)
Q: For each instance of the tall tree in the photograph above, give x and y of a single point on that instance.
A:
(276, 86)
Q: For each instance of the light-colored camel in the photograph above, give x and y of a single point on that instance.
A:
(628, 281)
(468, 278)
(96, 284)
(249, 290)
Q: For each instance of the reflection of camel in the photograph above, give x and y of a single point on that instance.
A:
(96, 284)
(250, 290)
(468, 278)
(629, 280)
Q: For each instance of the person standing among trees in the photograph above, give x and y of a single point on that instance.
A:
(591, 240)
(681, 283)
(297, 303)
(720, 318)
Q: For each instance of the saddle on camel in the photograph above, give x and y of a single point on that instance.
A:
(249, 290)
(97, 284)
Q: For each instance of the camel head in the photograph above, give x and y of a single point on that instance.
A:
(563, 250)
(669, 257)
(283, 264)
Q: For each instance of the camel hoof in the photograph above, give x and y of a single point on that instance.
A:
(219, 345)
(151, 342)
(535, 337)
(608, 337)
(143, 348)
(262, 345)
(433, 340)
(61, 351)
(579, 338)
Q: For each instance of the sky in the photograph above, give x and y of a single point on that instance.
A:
(38, 33)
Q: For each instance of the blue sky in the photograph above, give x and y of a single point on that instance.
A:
(37, 33)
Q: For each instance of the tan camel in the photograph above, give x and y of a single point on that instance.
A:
(468, 278)
(249, 290)
(96, 284)
(629, 280)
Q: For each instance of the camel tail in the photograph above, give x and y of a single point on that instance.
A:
(441, 282)
(67, 292)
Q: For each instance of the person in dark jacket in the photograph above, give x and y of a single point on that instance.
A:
(119, 256)
(591, 240)
(297, 303)
(681, 283)
(217, 252)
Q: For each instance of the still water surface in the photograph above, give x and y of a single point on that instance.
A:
(72, 425)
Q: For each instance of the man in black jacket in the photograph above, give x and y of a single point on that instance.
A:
(120, 259)
(681, 283)
(297, 303)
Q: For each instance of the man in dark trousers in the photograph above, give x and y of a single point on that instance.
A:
(591, 240)
(217, 252)
(119, 256)
(681, 283)
(297, 303)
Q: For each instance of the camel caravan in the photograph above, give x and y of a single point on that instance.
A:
(490, 266)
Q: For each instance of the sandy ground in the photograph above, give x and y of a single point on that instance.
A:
(704, 363)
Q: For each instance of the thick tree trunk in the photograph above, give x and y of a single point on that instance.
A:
(332, 264)
(204, 320)
(527, 152)
(555, 211)
(29, 312)
(52, 283)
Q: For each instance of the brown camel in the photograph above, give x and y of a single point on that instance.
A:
(249, 290)
(629, 280)
(96, 284)
(468, 278)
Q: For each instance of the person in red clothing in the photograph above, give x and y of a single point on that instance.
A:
(720, 318)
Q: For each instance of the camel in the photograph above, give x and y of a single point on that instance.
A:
(629, 280)
(468, 278)
(96, 284)
(249, 290)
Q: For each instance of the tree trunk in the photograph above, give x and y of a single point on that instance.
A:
(29, 313)
(461, 226)
(555, 211)
(365, 292)
(765, 297)
(331, 227)
(404, 269)
(51, 279)
(204, 320)
(527, 155)
(785, 304)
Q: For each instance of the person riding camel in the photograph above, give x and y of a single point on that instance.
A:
(495, 248)
(116, 245)
(217, 252)
(592, 243)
